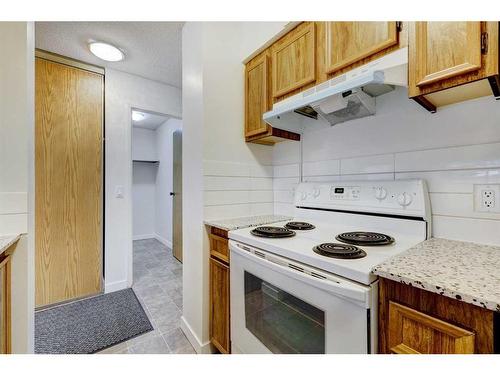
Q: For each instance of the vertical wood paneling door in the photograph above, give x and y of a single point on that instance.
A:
(68, 182)
(177, 197)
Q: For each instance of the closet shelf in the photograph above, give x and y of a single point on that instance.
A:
(146, 161)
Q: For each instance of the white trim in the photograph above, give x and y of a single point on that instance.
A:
(143, 237)
(205, 348)
(164, 241)
(117, 285)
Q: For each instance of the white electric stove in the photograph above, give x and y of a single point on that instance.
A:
(305, 285)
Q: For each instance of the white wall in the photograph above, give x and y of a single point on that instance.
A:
(123, 92)
(17, 171)
(143, 183)
(213, 117)
(164, 180)
(143, 200)
(144, 144)
(238, 175)
(452, 149)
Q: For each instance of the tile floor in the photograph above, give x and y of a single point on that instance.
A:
(158, 285)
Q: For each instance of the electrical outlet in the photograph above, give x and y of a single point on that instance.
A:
(486, 198)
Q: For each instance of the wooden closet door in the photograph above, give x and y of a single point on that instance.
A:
(68, 182)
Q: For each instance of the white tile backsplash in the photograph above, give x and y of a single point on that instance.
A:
(463, 157)
(227, 183)
(466, 229)
(458, 205)
(289, 170)
(322, 168)
(237, 189)
(461, 181)
(368, 164)
(452, 150)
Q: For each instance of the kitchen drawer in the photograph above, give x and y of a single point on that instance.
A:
(219, 247)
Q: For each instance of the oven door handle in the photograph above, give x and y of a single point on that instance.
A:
(346, 289)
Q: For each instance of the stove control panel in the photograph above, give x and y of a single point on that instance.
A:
(397, 197)
(345, 192)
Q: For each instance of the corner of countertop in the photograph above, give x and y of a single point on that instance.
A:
(7, 240)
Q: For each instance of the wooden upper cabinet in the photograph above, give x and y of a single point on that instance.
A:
(413, 332)
(449, 62)
(349, 42)
(445, 49)
(293, 60)
(257, 94)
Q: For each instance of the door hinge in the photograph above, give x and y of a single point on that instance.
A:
(484, 43)
(399, 26)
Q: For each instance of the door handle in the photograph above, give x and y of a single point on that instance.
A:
(172, 193)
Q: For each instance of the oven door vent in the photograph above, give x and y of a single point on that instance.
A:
(259, 254)
(318, 276)
(295, 267)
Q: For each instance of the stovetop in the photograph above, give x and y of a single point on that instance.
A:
(301, 246)
(395, 215)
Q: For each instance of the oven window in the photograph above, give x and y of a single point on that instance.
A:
(282, 322)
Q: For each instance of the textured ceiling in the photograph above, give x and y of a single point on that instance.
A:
(151, 120)
(152, 49)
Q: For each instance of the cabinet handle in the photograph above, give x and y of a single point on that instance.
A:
(484, 43)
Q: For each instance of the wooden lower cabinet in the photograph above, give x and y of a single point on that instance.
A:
(415, 321)
(413, 332)
(219, 306)
(5, 301)
(219, 291)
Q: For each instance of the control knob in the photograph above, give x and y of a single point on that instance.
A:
(404, 199)
(380, 193)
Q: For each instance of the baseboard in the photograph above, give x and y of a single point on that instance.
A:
(200, 348)
(117, 285)
(164, 241)
(142, 237)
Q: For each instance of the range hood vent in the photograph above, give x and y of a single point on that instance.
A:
(342, 98)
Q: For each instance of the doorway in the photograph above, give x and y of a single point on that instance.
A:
(157, 179)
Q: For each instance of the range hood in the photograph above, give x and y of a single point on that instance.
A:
(343, 98)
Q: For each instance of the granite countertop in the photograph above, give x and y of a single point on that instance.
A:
(462, 270)
(245, 222)
(7, 240)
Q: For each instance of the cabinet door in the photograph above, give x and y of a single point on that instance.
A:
(5, 308)
(256, 94)
(349, 42)
(413, 332)
(441, 50)
(219, 305)
(293, 60)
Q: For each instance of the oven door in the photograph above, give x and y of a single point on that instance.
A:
(282, 306)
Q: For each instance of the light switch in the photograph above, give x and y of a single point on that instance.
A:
(119, 191)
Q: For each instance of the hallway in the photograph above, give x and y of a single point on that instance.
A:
(158, 285)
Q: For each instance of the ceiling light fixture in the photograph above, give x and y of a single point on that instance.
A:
(137, 116)
(106, 51)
